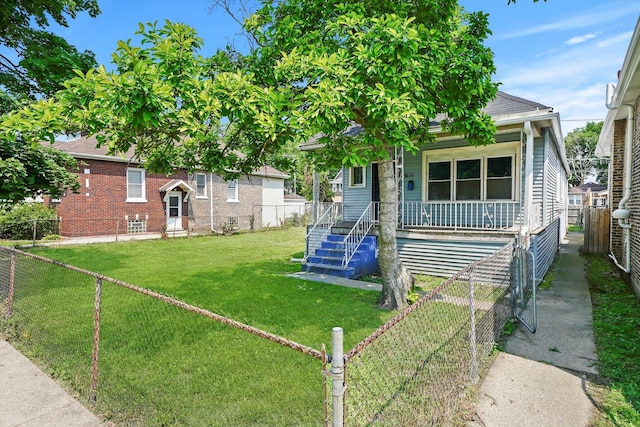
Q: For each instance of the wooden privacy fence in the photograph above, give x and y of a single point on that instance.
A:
(596, 230)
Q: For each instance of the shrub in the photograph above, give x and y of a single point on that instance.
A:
(18, 222)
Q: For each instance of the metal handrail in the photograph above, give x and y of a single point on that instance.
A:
(325, 222)
(358, 232)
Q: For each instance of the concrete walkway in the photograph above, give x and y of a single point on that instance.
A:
(541, 380)
(29, 398)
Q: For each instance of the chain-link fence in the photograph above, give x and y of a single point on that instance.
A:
(416, 369)
(141, 358)
(523, 291)
(34, 229)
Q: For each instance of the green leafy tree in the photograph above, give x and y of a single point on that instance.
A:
(389, 67)
(318, 67)
(27, 167)
(580, 147)
(34, 63)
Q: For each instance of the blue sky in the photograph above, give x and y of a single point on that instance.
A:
(560, 53)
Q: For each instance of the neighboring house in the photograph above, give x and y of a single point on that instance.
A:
(336, 187)
(589, 194)
(119, 196)
(459, 203)
(620, 140)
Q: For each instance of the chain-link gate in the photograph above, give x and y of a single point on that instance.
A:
(523, 288)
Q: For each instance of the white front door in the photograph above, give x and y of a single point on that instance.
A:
(174, 211)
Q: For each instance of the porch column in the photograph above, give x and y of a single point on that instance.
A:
(528, 185)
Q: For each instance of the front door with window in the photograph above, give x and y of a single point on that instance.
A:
(174, 210)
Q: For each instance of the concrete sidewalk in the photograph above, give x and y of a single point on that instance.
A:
(29, 398)
(541, 380)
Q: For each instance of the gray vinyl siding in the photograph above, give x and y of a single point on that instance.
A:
(544, 247)
(538, 176)
(355, 199)
(442, 258)
(413, 172)
(552, 186)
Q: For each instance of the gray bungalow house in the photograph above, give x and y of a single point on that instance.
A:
(456, 203)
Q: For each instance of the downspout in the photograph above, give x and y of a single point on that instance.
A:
(622, 214)
(211, 202)
(528, 185)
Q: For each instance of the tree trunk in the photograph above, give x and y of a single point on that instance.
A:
(396, 279)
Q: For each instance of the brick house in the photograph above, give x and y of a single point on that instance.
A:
(118, 196)
(620, 140)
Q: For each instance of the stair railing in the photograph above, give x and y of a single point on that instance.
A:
(321, 228)
(359, 231)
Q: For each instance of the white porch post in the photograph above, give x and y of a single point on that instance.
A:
(528, 185)
(316, 196)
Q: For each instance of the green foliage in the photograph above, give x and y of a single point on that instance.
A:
(580, 147)
(18, 222)
(616, 322)
(43, 60)
(34, 65)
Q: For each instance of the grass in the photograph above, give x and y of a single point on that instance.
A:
(616, 324)
(161, 365)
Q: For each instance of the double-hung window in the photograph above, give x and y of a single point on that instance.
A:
(499, 182)
(461, 177)
(201, 185)
(232, 190)
(135, 185)
(356, 176)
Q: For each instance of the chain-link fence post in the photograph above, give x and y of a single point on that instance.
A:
(472, 327)
(337, 374)
(96, 340)
(12, 285)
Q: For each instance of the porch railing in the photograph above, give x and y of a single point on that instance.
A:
(359, 231)
(322, 227)
(462, 215)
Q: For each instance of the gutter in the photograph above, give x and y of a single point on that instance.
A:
(622, 214)
(211, 202)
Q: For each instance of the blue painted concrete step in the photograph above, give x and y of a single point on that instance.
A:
(328, 258)
(332, 270)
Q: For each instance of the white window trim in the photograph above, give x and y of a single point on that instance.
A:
(236, 199)
(206, 184)
(364, 177)
(142, 199)
(454, 155)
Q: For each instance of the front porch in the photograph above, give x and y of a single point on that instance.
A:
(449, 235)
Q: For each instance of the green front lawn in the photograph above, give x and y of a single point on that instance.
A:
(160, 365)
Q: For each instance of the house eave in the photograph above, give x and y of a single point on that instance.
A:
(626, 91)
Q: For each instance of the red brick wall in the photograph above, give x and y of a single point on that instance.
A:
(616, 180)
(101, 206)
(634, 206)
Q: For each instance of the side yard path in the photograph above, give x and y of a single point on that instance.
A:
(541, 379)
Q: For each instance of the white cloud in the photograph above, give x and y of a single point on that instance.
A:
(584, 20)
(580, 39)
(620, 38)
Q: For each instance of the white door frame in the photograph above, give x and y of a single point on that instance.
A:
(174, 222)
